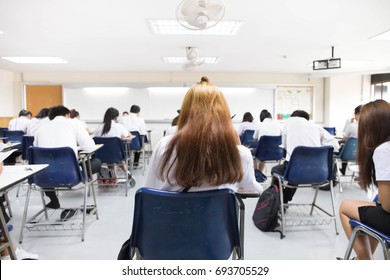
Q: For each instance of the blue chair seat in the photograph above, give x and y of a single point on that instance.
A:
(361, 228)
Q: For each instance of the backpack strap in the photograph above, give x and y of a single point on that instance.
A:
(186, 189)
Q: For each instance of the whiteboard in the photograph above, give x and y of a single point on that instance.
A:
(291, 98)
(159, 104)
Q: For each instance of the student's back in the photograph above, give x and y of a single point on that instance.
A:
(204, 153)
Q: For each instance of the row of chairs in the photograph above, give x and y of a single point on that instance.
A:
(214, 214)
(63, 174)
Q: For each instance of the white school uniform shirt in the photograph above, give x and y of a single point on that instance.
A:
(351, 130)
(171, 130)
(35, 124)
(246, 126)
(20, 123)
(248, 182)
(63, 132)
(117, 130)
(381, 158)
(298, 131)
(268, 127)
(134, 123)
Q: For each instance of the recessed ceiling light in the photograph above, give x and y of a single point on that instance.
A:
(171, 26)
(35, 60)
(382, 36)
(183, 59)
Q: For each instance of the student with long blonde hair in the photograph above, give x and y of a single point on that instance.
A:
(205, 153)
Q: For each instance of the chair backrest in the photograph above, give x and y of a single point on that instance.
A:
(63, 169)
(14, 135)
(331, 130)
(309, 165)
(348, 152)
(268, 148)
(2, 131)
(27, 141)
(247, 139)
(112, 150)
(185, 225)
(136, 143)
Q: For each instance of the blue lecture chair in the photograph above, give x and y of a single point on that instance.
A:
(14, 135)
(268, 149)
(185, 225)
(137, 145)
(62, 174)
(27, 141)
(2, 131)
(111, 154)
(347, 154)
(309, 167)
(247, 139)
(331, 130)
(361, 228)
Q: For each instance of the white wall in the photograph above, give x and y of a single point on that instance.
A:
(10, 94)
(343, 94)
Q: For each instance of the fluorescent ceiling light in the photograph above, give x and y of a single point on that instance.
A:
(183, 59)
(35, 60)
(171, 26)
(383, 36)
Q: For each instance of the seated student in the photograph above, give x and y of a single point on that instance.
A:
(246, 124)
(40, 119)
(299, 131)
(268, 127)
(205, 153)
(173, 128)
(134, 122)
(19, 252)
(21, 122)
(111, 128)
(373, 158)
(350, 130)
(61, 131)
(75, 115)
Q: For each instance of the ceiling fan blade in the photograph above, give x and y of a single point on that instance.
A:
(215, 11)
(191, 21)
(190, 8)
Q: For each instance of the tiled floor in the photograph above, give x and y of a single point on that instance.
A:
(104, 237)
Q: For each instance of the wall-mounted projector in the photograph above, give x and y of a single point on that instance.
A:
(324, 64)
(330, 63)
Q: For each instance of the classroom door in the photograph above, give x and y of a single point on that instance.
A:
(38, 97)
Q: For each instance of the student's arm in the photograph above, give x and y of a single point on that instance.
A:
(84, 140)
(248, 182)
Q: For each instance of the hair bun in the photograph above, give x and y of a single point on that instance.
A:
(204, 79)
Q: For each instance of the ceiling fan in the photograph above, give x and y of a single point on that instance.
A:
(200, 14)
(193, 60)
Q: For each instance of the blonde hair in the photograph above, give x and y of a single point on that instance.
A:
(205, 145)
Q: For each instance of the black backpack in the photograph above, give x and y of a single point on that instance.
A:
(265, 216)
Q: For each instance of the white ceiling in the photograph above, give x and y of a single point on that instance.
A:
(277, 36)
